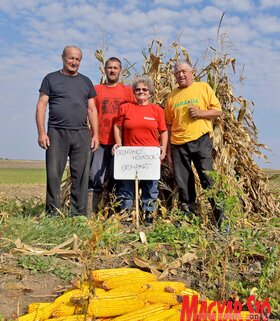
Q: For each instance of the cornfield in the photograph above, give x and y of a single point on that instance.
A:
(235, 135)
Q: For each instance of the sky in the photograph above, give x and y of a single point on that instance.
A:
(33, 34)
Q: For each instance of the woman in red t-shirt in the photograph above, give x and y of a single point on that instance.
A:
(141, 124)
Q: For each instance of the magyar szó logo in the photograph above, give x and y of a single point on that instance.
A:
(207, 310)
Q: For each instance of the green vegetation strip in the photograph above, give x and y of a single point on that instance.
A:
(22, 176)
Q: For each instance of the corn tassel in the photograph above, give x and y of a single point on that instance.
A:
(128, 280)
(34, 306)
(146, 311)
(167, 286)
(104, 274)
(41, 314)
(113, 307)
(160, 297)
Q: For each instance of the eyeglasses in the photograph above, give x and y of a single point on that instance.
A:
(137, 90)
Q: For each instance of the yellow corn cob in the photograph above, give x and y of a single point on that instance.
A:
(174, 317)
(73, 318)
(65, 297)
(104, 274)
(34, 306)
(190, 292)
(134, 289)
(168, 286)
(246, 316)
(146, 311)
(64, 310)
(160, 297)
(41, 314)
(113, 307)
(84, 286)
(97, 292)
(108, 295)
(128, 280)
(162, 315)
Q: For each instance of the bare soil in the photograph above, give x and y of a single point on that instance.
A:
(18, 286)
(7, 163)
(22, 191)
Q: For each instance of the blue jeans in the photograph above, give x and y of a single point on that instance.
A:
(126, 194)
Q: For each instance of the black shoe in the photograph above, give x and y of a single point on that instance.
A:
(148, 218)
(188, 209)
(221, 220)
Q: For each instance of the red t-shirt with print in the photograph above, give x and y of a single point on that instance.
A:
(141, 124)
(108, 101)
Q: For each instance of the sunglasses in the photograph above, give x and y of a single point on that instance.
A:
(137, 90)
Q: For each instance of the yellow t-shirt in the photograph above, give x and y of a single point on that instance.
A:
(184, 128)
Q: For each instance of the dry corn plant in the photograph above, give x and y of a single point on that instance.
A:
(235, 138)
(235, 135)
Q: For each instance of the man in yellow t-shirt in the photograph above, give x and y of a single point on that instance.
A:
(189, 112)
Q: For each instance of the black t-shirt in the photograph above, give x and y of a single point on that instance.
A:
(68, 98)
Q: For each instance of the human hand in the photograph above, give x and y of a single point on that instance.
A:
(195, 112)
(115, 147)
(162, 153)
(44, 141)
(94, 143)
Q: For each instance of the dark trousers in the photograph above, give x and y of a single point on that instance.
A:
(102, 161)
(74, 144)
(200, 153)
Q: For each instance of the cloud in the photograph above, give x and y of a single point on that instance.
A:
(266, 24)
(267, 4)
(234, 5)
(33, 34)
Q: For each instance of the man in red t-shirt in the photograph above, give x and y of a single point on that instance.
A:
(110, 96)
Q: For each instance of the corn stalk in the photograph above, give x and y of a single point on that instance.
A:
(235, 134)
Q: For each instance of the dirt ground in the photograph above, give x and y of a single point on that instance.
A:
(21, 191)
(19, 287)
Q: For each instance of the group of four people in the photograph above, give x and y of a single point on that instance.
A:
(123, 115)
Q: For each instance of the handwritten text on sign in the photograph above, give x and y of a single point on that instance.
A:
(132, 161)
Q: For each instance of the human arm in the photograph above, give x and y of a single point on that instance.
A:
(41, 107)
(163, 143)
(211, 113)
(118, 137)
(211, 107)
(93, 121)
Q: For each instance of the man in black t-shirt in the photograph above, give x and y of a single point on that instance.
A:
(70, 97)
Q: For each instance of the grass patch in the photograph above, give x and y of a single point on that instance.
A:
(220, 266)
(26, 220)
(22, 176)
(41, 264)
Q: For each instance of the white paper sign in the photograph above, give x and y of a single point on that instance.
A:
(132, 161)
